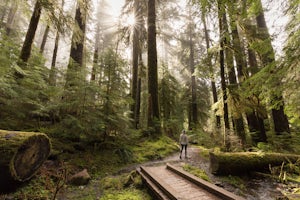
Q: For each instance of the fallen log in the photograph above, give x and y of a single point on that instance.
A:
(243, 162)
(21, 155)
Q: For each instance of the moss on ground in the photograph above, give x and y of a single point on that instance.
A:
(127, 194)
(101, 163)
(154, 149)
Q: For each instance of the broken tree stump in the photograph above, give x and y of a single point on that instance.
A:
(21, 155)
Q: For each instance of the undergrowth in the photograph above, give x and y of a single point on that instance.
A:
(102, 160)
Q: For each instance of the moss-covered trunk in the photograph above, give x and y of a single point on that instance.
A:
(21, 155)
(244, 162)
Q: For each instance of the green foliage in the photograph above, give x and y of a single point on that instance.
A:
(281, 143)
(23, 99)
(203, 138)
(169, 95)
(264, 146)
(290, 64)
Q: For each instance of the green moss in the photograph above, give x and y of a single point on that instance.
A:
(112, 183)
(154, 149)
(128, 194)
(197, 172)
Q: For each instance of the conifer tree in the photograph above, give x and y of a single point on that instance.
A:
(280, 120)
(153, 107)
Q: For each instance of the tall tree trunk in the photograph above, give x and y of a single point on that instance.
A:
(221, 16)
(280, 120)
(236, 51)
(95, 63)
(254, 117)
(44, 40)
(213, 83)
(77, 47)
(26, 48)
(96, 53)
(135, 64)
(75, 75)
(153, 111)
(52, 76)
(138, 94)
(194, 110)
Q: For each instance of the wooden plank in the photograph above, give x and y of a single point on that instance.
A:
(169, 191)
(185, 188)
(224, 194)
(155, 190)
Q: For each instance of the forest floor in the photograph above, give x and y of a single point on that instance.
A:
(251, 188)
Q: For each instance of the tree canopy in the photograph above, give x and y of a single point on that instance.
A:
(77, 71)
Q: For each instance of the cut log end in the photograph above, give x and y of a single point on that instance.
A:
(29, 157)
(22, 153)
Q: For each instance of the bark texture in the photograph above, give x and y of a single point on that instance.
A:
(245, 162)
(26, 49)
(153, 110)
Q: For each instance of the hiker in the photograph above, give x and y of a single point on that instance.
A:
(183, 140)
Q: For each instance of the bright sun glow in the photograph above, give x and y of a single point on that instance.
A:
(128, 20)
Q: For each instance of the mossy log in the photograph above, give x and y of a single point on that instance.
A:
(21, 154)
(244, 162)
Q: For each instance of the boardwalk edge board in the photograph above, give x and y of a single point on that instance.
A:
(154, 189)
(170, 193)
(224, 194)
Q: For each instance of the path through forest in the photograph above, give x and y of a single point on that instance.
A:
(254, 188)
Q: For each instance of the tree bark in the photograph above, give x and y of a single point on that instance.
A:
(221, 15)
(245, 162)
(213, 83)
(255, 120)
(194, 109)
(27, 45)
(237, 53)
(22, 153)
(135, 65)
(153, 111)
(26, 48)
(52, 76)
(77, 48)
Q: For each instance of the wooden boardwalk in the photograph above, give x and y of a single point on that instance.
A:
(171, 183)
